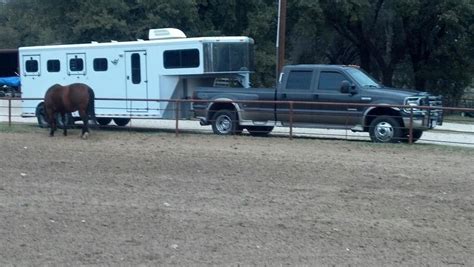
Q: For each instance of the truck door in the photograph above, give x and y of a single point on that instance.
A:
(297, 85)
(329, 90)
(136, 80)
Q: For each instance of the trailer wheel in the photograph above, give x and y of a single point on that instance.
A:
(104, 121)
(224, 122)
(385, 129)
(121, 121)
(41, 116)
(259, 130)
(69, 120)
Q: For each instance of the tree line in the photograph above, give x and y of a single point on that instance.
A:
(422, 44)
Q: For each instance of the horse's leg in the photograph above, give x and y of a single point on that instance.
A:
(85, 121)
(52, 122)
(63, 119)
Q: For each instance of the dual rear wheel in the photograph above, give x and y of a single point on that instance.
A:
(225, 122)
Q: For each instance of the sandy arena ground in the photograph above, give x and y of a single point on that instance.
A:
(148, 197)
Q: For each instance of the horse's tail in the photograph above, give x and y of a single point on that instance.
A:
(91, 105)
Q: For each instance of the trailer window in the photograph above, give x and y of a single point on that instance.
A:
(136, 69)
(299, 80)
(176, 59)
(53, 65)
(31, 65)
(225, 57)
(100, 64)
(76, 64)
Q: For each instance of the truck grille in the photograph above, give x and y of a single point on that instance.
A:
(435, 101)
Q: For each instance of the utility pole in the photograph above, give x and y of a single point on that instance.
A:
(281, 37)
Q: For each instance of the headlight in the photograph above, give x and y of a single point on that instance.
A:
(413, 101)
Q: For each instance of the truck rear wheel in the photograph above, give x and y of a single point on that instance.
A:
(224, 122)
(259, 130)
(385, 129)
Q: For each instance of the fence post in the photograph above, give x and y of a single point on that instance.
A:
(291, 120)
(410, 130)
(177, 117)
(9, 112)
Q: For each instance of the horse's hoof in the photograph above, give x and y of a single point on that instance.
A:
(85, 136)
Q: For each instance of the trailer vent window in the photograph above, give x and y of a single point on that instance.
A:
(100, 64)
(76, 64)
(136, 69)
(53, 65)
(179, 59)
(31, 65)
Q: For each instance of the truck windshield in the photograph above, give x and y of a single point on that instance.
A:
(363, 78)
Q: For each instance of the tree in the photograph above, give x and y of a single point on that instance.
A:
(373, 29)
(439, 42)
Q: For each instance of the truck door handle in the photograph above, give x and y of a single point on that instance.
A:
(283, 96)
(315, 97)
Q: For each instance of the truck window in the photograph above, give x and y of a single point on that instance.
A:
(330, 80)
(53, 65)
(299, 80)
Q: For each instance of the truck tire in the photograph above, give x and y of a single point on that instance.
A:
(416, 136)
(259, 130)
(41, 116)
(385, 129)
(224, 122)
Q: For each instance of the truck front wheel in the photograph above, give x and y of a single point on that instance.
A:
(224, 122)
(385, 129)
(416, 136)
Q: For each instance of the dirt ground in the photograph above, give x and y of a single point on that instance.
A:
(148, 197)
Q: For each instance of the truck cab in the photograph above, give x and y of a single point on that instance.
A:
(341, 97)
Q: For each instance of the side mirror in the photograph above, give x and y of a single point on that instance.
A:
(347, 88)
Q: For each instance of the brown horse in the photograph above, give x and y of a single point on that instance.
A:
(65, 99)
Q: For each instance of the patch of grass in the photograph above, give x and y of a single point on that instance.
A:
(457, 118)
(19, 128)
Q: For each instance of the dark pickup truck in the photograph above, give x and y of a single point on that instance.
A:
(315, 91)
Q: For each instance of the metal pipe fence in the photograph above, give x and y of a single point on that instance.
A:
(456, 129)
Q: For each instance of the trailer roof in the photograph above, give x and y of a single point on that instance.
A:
(139, 43)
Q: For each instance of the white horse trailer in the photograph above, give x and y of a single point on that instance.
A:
(167, 66)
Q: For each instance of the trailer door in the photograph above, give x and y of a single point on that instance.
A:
(137, 80)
